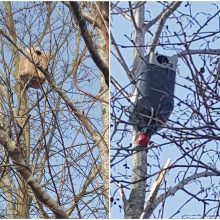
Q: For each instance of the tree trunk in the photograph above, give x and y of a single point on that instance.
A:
(23, 130)
(104, 148)
(23, 140)
(135, 204)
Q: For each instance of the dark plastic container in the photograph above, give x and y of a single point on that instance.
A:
(154, 95)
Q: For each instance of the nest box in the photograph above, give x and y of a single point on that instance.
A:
(28, 72)
(152, 100)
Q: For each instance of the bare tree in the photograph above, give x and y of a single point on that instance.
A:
(190, 137)
(53, 140)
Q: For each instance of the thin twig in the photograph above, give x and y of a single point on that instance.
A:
(122, 194)
(164, 16)
(118, 86)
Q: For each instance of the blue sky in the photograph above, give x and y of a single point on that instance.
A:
(122, 30)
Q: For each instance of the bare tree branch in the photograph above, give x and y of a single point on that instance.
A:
(18, 159)
(121, 59)
(170, 9)
(204, 51)
(154, 190)
(89, 42)
(173, 190)
(122, 194)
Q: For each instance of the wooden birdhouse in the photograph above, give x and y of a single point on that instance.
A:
(28, 72)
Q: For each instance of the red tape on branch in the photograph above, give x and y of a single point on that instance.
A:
(143, 139)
